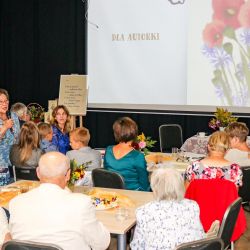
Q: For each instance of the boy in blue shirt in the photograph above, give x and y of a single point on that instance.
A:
(46, 133)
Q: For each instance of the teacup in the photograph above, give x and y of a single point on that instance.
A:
(201, 134)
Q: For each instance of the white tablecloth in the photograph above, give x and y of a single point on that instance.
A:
(198, 145)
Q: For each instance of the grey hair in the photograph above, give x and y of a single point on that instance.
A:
(53, 164)
(19, 108)
(167, 184)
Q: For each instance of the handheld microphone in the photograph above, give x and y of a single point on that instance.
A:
(8, 114)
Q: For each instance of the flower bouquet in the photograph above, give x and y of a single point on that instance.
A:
(77, 173)
(36, 112)
(143, 143)
(222, 119)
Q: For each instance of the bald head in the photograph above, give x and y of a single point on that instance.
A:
(52, 165)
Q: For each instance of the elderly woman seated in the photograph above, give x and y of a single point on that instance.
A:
(215, 165)
(170, 219)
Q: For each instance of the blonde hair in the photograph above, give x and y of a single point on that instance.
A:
(167, 184)
(219, 141)
(81, 134)
(239, 130)
(55, 122)
(29, 140)
(44, 129)
(19, 108)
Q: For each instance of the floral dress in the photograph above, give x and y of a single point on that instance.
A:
(10, 138)
(198, 170)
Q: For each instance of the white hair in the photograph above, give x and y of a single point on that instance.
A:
(19, 108)
(53, 164)
(167, 184)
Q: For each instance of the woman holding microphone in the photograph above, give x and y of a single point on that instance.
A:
(9, 131)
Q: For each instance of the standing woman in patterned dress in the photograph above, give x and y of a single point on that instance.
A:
(61, 127)
(9, 132)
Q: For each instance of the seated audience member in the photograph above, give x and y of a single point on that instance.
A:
(21, 110)
(215, 165)
(83, 154)
(124, 159)
(61, 127)
(46, 133)
(4, 228)
(239, 151)
(50, 213)
(170, 219)
(26, 153)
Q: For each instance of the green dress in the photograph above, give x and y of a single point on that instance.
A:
(132, 167)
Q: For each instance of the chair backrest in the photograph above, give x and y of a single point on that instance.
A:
(213, 197)
(25, 174)
(229, 221)
(204, 244)
(170, 136)
(104, 178)
(244, 190)
(28, 245)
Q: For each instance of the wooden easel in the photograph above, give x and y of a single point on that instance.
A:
(73, 120)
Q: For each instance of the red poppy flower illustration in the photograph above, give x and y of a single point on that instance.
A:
(213, 33)
(227, 11)
(244, 15)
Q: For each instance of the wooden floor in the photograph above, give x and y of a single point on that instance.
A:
(242, 244)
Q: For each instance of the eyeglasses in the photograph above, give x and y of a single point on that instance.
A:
(67, 171)
(4, 102)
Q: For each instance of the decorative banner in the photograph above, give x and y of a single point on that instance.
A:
(73, 93)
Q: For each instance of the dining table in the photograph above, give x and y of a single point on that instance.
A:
(108, 217)
(198, 144)
(179, 162)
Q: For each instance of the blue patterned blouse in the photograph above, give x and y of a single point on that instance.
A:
(6, 142)
(60, 140)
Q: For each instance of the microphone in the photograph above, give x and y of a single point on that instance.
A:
(8, 114)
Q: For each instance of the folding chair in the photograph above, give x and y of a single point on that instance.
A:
(25, 174)
(104, 178)
(228, 222)
(244, 190)
(170, 136)
(28, 245)
(204, 244)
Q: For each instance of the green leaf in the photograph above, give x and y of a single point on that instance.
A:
(228, 47)
(229, 32)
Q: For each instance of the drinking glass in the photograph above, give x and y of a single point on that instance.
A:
(175, 153)
(122, 213)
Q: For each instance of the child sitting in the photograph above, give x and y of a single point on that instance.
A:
(46, 133)
(82, 153)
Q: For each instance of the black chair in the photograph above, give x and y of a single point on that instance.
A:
(170, 136)
(204, 244)
(104, 178)
(28, 245)
(228, 222)
(244, 190)
(25, 174)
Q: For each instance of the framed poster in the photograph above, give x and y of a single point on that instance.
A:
(73, 93)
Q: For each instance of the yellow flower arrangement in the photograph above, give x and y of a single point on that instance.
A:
(143, 143)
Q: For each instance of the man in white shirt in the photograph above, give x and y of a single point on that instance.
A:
(52, 214)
